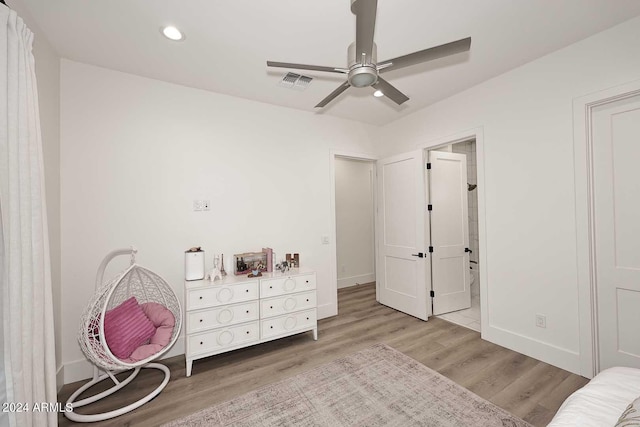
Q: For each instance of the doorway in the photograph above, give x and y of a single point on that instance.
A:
(470, 316)
(605, 126)
(355, 221)
(615, 130)
(408, 279)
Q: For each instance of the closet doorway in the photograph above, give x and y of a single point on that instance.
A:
(354, 221)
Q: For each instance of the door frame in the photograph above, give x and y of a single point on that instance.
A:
(585, 224)
(332, 308)
(476, 134)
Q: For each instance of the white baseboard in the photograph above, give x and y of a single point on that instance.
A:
(77, 370)
(346, 282)
(60, 377)
(548, 353)
(327, 310)
(81, 369)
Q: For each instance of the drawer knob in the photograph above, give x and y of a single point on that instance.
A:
(307, 318)
(201, 343)
(247, 332)
(307, 281)
(271, 306)
(307, 299)
(270, 287)
(247, 311)
(200, 297)
(271, 327)
(200, 320)
(247, 290)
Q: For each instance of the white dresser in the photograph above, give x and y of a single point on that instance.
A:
(237, 311)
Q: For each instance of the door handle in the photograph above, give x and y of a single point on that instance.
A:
(419, 255)
(468, 250)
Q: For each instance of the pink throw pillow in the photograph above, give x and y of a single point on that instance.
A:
(164, 321)
(162, 318)
(142, 352)
(126, 328)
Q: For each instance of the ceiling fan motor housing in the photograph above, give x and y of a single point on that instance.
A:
(362, 75)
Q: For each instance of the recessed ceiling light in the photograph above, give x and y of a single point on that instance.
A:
(172, 33)
(378, 94)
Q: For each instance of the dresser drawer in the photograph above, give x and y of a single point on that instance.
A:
(219, 339)
(287, 303)
(287, 285)
(217, 317)
(283, 324)
(218, 295)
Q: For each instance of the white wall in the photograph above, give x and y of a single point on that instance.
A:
(136, 152)
(354, 222)
(526, 117)
(47, 63)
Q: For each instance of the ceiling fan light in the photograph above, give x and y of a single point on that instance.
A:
(378, 94)
(362, 80)
(362, 77)
(172, 33)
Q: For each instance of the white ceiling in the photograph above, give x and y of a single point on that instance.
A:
(229, 41)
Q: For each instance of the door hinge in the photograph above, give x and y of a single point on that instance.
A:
(430, 249)
(429, 165)
(432, 294)
(429, 207)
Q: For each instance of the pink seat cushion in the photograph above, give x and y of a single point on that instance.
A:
(126, 328)
(163, 321)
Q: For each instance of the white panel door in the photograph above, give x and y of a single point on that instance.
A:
(449, 232)
(400, 230)
(616, 183)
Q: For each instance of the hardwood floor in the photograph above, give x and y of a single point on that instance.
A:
(526, 387)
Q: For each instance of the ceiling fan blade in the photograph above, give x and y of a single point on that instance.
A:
(430, 54)
(390, 92)
(365, 11)
(344, 86)
(307, 67)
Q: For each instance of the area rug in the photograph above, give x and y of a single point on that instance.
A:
(378, 386)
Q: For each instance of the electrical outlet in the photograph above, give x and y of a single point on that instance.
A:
(206, 205)
(541, 321)
(197, 205)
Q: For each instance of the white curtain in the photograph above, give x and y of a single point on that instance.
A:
(27, 310)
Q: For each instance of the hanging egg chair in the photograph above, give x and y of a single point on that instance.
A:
(131, 320)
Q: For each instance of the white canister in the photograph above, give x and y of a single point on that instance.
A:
(194, 264)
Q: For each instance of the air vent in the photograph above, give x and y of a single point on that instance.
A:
(295, 81)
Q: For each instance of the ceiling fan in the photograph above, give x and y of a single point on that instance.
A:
(364, 70)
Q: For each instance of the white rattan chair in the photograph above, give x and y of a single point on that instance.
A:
(146, 286)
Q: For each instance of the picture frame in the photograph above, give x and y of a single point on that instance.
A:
(247, 262)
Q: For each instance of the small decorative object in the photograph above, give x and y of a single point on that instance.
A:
(255, 273)
(293, 260)
(245, 263)
(222, 272)
(214, 274)
(283, 266)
